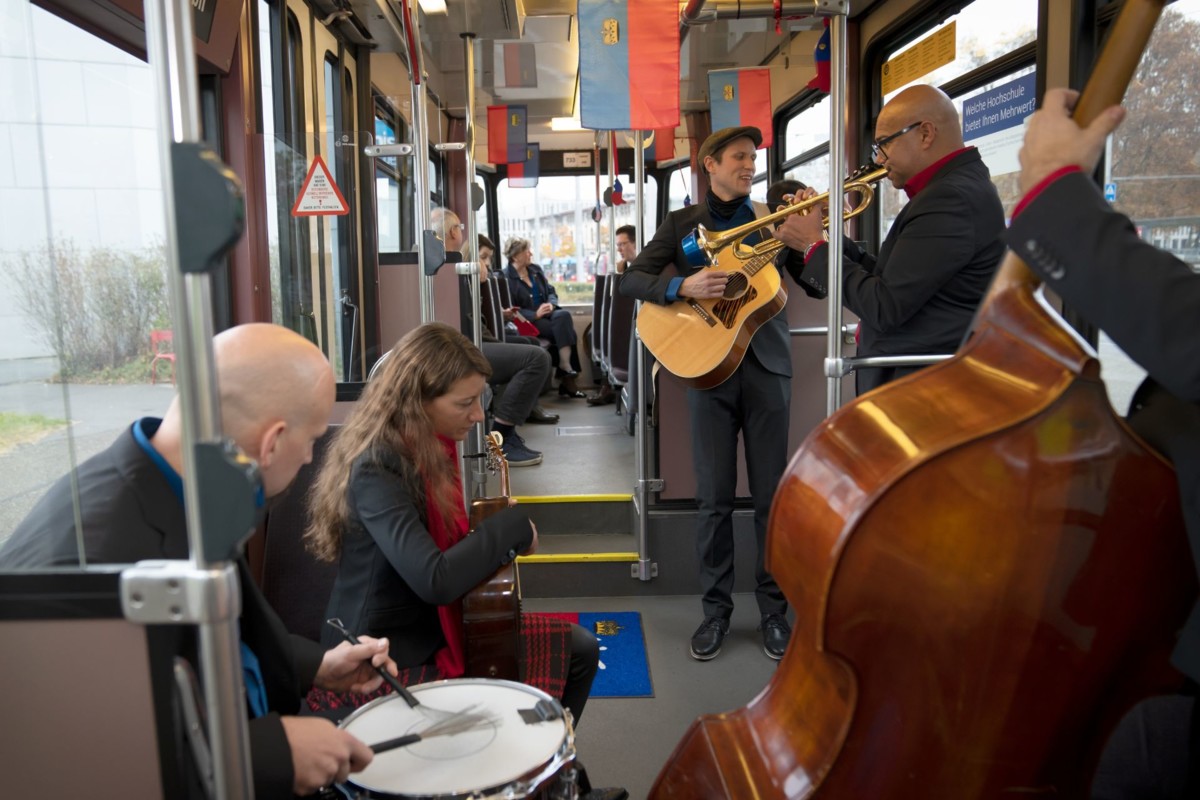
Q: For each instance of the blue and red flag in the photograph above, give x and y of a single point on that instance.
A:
(616, 46)
(507, 134)
(739, 97)
(524, 174)
(821, 61)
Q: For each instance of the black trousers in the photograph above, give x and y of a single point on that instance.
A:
(581, 670)
(753, 402)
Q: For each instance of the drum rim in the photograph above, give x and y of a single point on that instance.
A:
(563, 756)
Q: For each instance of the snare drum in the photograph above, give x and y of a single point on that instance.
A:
(510, 758)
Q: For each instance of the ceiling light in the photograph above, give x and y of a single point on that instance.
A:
(433, 6)
(565, 124)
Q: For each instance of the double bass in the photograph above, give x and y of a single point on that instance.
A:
(988, 569)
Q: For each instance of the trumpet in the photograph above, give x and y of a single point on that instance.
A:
(704, 247)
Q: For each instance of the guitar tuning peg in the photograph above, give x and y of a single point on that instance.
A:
(497, 438)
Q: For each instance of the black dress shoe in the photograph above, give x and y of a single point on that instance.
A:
(775, 633)
(706, 641)
(540, 416)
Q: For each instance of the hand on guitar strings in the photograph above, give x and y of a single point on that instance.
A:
(706, 283)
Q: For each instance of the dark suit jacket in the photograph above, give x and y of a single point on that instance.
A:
(130, 513)
(919, 295)
(522, 295)
(644, 280)
(392, 576)
(1148, 302)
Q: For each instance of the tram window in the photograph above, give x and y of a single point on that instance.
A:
(82, 259)
(679, 191)
(556, 218)
(1153, 170)
(985, 30)
(807, 131)
(393, 182)
(285, 147)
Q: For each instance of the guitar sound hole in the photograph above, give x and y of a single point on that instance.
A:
(736, 287)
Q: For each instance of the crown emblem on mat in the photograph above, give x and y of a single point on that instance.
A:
(607, 627)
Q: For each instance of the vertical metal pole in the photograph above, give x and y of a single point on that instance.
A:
(641, 430)
(171, 50)
(412, 44)
(476, 476)
(837, 171)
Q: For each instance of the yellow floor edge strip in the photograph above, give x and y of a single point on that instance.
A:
(574, 498)
(575, 558)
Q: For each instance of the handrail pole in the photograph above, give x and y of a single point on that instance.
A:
(837, 159)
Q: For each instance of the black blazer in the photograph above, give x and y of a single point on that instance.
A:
(919, 295)
(392, 576)
(644, 279)
(130, 513)
(522, 295)
(1147, 301)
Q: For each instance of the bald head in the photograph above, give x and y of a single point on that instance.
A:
(276, 394)
(926, 104)
(915, 130)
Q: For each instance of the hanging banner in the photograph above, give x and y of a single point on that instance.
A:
(319, 195)
(524, 174)
(506, 133)
(663, 146)
(615, 47)
(738, 97)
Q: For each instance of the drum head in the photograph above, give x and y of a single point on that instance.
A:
(479, 762)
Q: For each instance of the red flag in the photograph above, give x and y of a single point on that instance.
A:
(628, 64)
(738, 97)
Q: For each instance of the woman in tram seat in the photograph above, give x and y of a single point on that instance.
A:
(388, 507)
(537, 301)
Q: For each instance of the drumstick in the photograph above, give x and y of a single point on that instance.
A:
(447, 728)
(408, 696)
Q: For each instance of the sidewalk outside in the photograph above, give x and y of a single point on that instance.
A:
(97, 415)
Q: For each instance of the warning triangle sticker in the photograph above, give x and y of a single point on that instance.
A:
(319, 196)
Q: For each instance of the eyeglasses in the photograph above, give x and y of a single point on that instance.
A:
(462, 226)
(877, 145)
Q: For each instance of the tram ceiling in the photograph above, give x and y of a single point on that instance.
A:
(547, 29)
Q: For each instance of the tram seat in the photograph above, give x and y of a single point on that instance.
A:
(597, 319)
(610, 291)
(294, 582)
(160, 339)
(620, 331)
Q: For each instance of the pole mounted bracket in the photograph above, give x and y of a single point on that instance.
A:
(210, 209)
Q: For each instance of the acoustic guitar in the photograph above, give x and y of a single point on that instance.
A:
(703, 341)
(492, 610)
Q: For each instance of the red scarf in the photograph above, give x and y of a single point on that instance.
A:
(450, 660)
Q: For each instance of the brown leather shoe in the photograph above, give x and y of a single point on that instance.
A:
(567, 387)
(603, 397)
(540, 416)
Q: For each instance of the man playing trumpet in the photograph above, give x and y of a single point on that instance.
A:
(918, 296)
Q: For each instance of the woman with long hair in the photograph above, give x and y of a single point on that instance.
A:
(535, 298)
(388, 508)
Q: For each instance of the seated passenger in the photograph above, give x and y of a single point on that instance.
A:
(276, 394)
(523, 368)
(537, 301)
(388, 508)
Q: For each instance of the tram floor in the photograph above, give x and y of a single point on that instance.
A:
(627, 741)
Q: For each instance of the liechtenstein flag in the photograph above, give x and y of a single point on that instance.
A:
(628, 64)
(739, 97)
(506, 134)
(524, 174)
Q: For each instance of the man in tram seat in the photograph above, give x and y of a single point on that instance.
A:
(754, 400)
(523, 369)
(627, 249)
(919, 294)
(276, 395)
(1147, 301)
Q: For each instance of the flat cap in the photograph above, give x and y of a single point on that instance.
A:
(719, 139)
